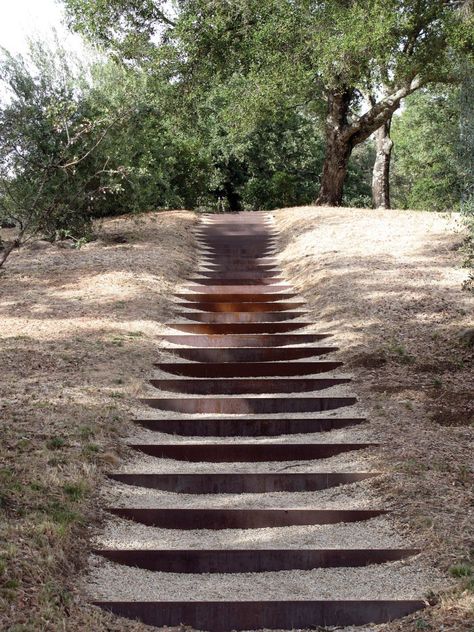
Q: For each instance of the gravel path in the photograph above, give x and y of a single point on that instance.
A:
(398, 580)
(408, 579)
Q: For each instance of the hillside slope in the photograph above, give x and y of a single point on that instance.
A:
(388, 285)
(80, 331)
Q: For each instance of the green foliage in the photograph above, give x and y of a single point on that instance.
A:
(223, 105)
(280, 161)
(466, 150)
(233, 64)
(357, 190)
(51, 126)
(55, 443)
(466, 155)
(426, 167)
(461, 570)
(79, 141)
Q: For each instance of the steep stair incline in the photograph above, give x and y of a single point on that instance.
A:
(251, 441)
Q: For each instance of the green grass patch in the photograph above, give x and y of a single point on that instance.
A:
(464, 572)
(461, 570)
(86, 432)
(56, 443)
(75, 491)
(398, 350)
(62, 514)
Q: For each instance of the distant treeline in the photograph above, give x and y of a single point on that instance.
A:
(245, 105)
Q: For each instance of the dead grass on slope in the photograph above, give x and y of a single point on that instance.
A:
(388, 284)
(79, 332)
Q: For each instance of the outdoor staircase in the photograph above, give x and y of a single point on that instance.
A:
(246, 371)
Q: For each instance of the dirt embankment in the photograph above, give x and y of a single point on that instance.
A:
(388, 285)
(79, 333)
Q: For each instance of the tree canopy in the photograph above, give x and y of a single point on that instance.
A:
(332, 58)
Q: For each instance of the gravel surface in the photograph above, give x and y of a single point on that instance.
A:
(352, 496)
(360, 433)
(378, 531)
(349, 462)
(397, 580)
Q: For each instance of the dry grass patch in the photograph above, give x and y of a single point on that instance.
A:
(80, 330)
(389, 284)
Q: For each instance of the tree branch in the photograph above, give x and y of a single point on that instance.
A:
(164, 18)
(365, 125)
(96, 144)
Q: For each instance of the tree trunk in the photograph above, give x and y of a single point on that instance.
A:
(338, 150)
(7, 250)
(343, 135)
(381, 171)
(334, 173)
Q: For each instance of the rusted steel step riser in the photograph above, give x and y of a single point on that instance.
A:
(245, 369)
(238, 257)
(239, 237)
(267, 257)
(243, 340)
(263, 226)
(239, 240)
(225, 616)
(238, 247)
(234, 297)
(244, 264)
(219, 250)
(190, 519)
(251, 561)
(212, 271)
(209, 278)
(218, 281)
(242, 483)
(230, 257)
(230, 307)
(237, 328)
(242, 386)
(250, 249)
(263, 266)
(250, 354)
(253, 237)
(213, 268)
(249, 279)
(218, 237)
(241, 317)
(233, 233)
(236, 234)
(246, 427)
(247, 452)
(264, 231)
(251, 288)
(246, 405)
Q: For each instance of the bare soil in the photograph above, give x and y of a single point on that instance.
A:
(80, 330)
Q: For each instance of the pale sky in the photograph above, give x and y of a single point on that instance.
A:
(23, 19)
